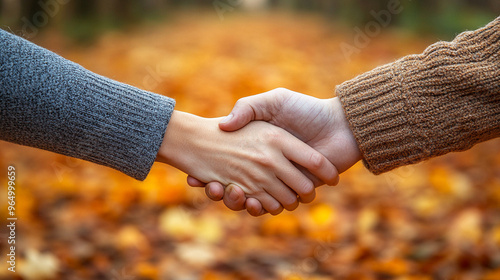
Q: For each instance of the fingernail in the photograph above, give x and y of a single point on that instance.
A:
(227, 118)
(233, 195)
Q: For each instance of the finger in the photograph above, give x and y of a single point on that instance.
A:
(271, 205)
(302, 154)
(234, 198)
(316, 181)
(296, 181)
(240, 116)
(254, 207)
(268, 201)
(280, 192)
(215, 191)
(193, 182)
(247, 109)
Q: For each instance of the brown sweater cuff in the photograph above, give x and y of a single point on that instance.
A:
(421, 106)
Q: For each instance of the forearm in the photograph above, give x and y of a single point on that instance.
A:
(446, 99)
(190, 145)
(50, 103)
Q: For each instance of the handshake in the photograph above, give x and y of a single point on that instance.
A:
(274, 148)
(269, 154)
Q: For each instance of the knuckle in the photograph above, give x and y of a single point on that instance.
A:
(272, 136)
(242, 102)
(316, 160)
(263, 159)
(281, 89)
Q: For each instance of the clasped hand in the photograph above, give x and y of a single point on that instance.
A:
(305, 143)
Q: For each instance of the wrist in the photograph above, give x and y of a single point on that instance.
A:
(345, 133)
(174, 149)
(192, 144)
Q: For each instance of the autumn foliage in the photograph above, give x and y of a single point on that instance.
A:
(77, 220)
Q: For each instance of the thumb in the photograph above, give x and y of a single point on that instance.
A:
(245, 110)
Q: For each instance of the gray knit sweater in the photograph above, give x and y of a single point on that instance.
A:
(53, 104)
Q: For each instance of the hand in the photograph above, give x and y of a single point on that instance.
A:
(320, 123)
(256, 159)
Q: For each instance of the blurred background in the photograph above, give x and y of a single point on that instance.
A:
(76, 220)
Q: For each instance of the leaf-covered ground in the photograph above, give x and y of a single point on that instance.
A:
(76, 220)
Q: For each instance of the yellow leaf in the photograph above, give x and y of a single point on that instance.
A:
(38, 265)
(209, 229)
(131, 237)
(466, 230)
(178, 223)
(197, 254)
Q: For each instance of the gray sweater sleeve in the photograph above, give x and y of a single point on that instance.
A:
(53, 104)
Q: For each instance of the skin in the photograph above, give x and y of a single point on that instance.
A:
(256, 159)
(320, 123)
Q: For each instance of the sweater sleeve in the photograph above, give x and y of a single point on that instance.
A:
(444, 100)
(53, 104)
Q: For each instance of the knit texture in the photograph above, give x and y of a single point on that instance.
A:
(444, 100)
(53, 104)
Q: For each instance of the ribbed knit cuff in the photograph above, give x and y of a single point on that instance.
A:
(378, 113)
(446, 99)
(123, 126)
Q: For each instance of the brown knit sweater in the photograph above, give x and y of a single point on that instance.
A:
(421, 106)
